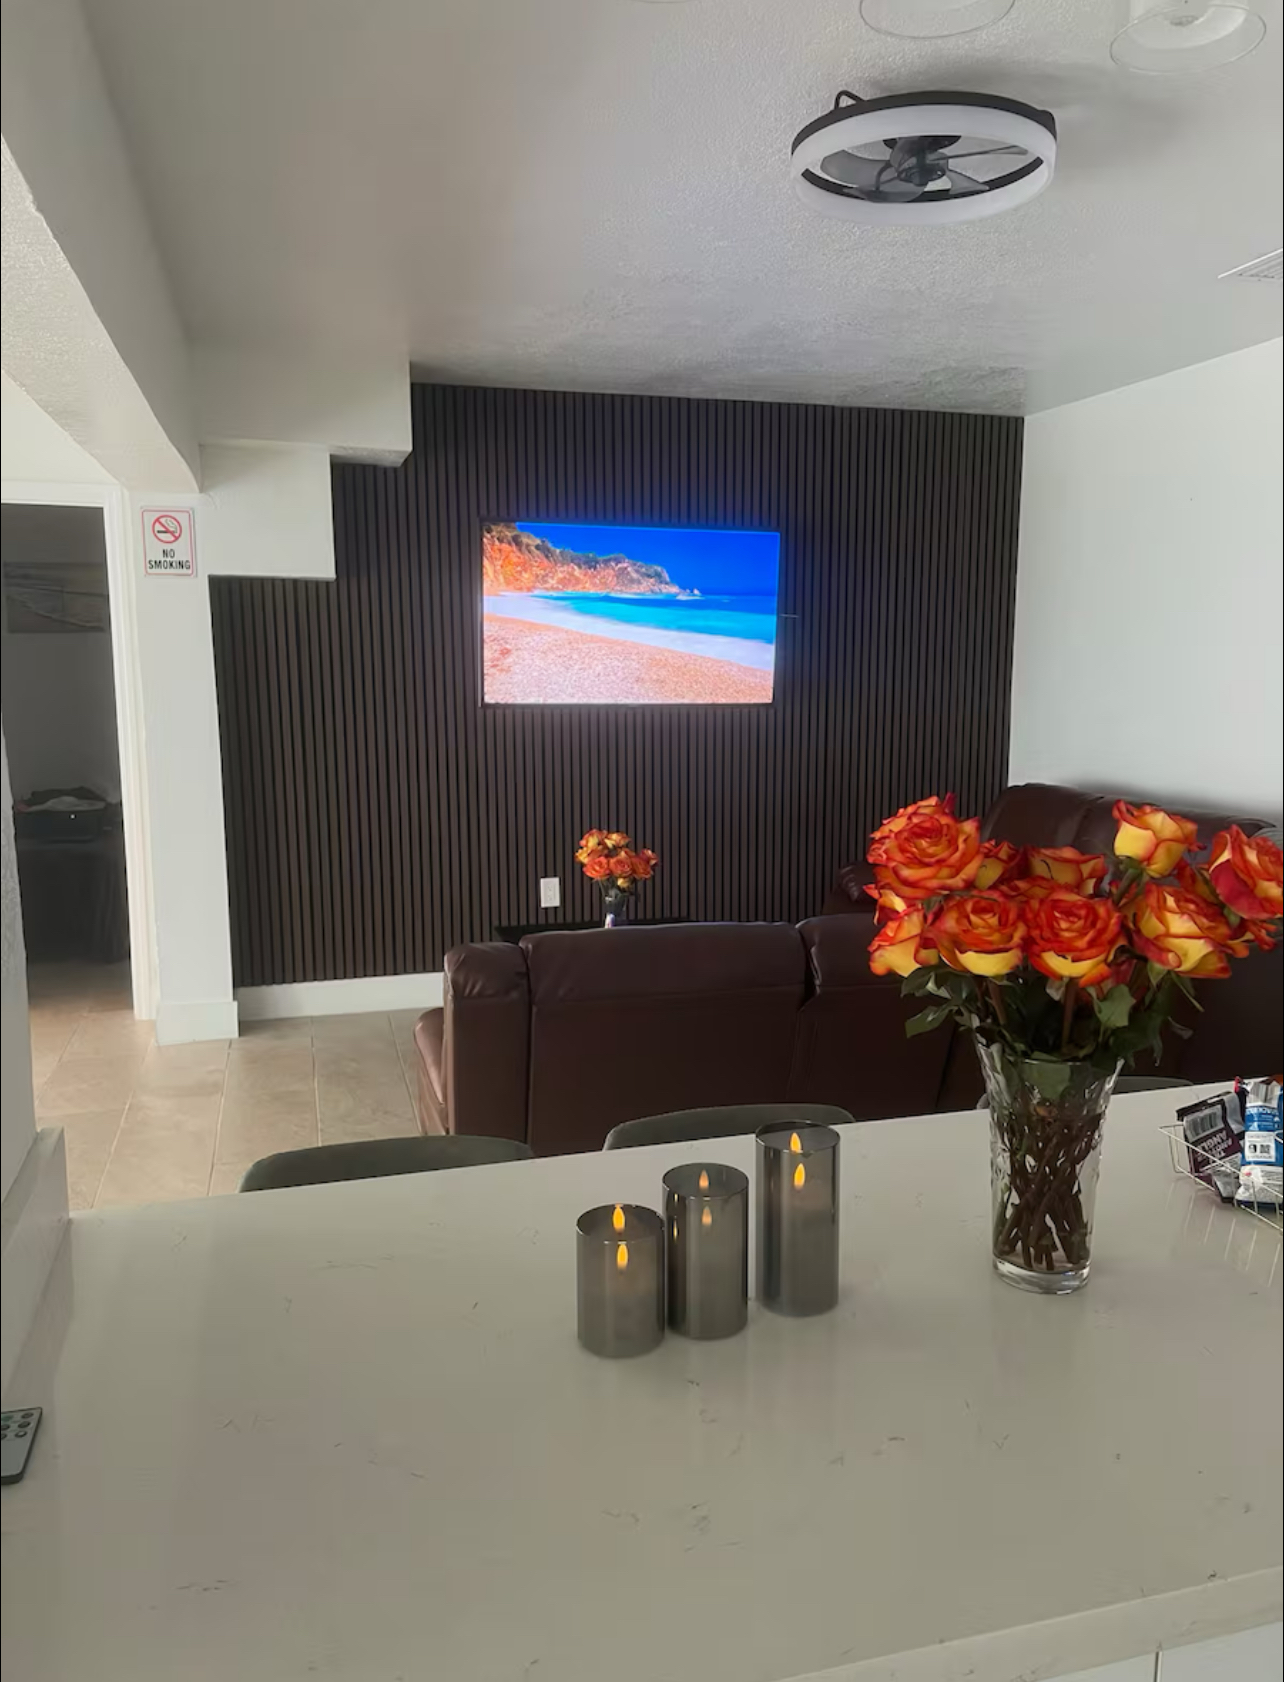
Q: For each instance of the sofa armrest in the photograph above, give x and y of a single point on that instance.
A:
(430, 1083)
(486, 1033)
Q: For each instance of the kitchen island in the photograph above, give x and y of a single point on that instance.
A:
(347, 1432)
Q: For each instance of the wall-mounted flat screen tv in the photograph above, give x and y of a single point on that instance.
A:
(627, 615)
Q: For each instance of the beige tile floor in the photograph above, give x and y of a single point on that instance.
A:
(147, 1123)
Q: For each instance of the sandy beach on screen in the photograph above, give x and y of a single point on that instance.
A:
(525, 662)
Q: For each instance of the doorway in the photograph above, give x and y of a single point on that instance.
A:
(60, 718)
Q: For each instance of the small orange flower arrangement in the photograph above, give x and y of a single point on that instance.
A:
(1062, 954)
(610, 861)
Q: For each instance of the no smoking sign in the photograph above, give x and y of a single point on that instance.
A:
(169, 545)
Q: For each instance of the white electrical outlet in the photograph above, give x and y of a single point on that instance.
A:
(550, 892)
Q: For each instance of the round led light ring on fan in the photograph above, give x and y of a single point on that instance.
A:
(1005, 122)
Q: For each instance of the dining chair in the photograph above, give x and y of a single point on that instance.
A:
(370, 1159)
(721, 1123)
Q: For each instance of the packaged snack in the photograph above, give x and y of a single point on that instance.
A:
(1212, 1129)
(1261, 1175)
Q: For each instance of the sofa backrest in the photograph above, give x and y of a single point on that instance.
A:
(630, 1022)
(852, 1049)
(1047, 815)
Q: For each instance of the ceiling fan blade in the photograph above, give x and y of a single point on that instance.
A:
(868, 176)
(960, 185)
(984, 152)
(853, 170)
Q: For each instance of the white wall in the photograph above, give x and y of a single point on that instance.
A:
(17, 1109)
(1147, 657)
(36, 450)
(66, 140)
(59, 688)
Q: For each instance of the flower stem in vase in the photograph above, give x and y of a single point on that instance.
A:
(1045, 1142)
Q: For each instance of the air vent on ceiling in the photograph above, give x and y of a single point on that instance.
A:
(1270, 267)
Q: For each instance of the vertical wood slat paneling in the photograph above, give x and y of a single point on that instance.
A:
(377, 814)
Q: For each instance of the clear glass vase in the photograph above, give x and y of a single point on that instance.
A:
(613, 902)
(1045, 1151)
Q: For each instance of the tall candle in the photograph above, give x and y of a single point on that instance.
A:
(797, 1217)
(706, 1222)
(619, 1255)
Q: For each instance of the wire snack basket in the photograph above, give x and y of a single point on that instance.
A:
(1193, 1162)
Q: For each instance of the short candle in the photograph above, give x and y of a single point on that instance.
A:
(706, 1218)
(619, 1279)
(797, 1217)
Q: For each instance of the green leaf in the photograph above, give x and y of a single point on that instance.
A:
(916, 982)
(1050, 1078)
(1185, 985)
(928, 1019)
(1115, 1007)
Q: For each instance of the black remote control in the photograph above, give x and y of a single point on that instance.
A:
(17, 1433)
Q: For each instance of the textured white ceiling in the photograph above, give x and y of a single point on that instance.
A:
(595, 194)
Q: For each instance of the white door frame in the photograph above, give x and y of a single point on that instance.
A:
(127, 677)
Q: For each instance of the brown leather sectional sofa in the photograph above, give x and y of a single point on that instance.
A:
(556, 1040)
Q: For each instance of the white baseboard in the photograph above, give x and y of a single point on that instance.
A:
(340, 998)
(32, 1222)
(179, 1021)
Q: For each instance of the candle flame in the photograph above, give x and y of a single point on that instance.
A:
(706, 1216)
(704, 1179)
(617, 1219)
(795, 1143)
(621, 1256)
(800, 1179)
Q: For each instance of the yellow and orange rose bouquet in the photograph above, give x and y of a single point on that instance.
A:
(1064, 966)
(616, 867)
(1063, 955)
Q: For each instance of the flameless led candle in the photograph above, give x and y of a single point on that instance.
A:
(620, 1279)
(797, 1213)
(706, 1222)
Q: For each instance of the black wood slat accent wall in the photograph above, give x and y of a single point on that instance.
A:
(377, 815)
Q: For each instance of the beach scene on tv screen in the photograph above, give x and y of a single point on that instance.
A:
(627, 615)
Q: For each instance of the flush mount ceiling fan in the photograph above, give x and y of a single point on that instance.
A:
(924, 157)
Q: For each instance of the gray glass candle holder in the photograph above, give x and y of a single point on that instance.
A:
(706, 1223)
(619, 1275)
(797, 1217)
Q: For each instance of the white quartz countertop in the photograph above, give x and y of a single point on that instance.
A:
(347, 1432)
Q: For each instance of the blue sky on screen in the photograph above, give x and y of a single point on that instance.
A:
(714, 562)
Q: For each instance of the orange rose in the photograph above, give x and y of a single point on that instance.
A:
(597, 868)
(1071, 936)
(999, 860)
(897, 948)
(1181, 931)
(888, 904)
(642, 864)
(1152, 837)
(932, 854)
(1067, 867)
(982, 934)
(897, 822)
(1028, 887)
(615, 839)
(621, 865)
(593, 842)
(1248, 873)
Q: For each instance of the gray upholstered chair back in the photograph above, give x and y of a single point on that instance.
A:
(724, 1123)
(370, 1159)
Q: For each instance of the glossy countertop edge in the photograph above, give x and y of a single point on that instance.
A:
(1083, 1641)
